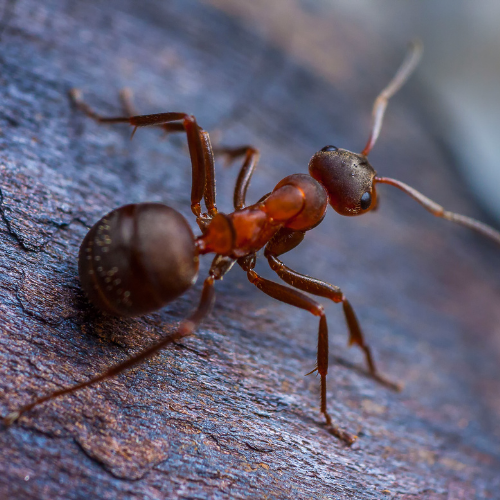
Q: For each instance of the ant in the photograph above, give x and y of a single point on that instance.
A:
(139, 257)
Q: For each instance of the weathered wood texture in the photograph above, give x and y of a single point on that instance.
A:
(230, 414)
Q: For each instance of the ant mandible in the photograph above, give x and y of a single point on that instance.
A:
(139, 257)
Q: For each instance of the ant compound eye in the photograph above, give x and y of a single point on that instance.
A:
(329, 148)
(366, 200)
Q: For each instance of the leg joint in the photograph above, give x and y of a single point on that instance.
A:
(319, 310)
(253, 277)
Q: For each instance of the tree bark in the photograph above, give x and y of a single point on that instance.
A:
(229, 413)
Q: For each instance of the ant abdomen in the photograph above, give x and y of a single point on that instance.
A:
(138, 258)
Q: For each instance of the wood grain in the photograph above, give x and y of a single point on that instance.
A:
(230, 414)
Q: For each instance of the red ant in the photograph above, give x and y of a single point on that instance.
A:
(139, 257)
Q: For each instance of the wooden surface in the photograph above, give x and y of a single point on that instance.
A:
(230, 414)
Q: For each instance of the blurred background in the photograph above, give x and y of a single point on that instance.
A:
(460, 69)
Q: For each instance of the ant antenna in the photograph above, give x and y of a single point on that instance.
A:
(409, 63)
(439, 211)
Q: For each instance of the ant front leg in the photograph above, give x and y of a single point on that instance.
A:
(200, 150)
(247, 169)
(284, 241)
(302, 301)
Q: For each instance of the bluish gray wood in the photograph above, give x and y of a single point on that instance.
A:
(230, 414)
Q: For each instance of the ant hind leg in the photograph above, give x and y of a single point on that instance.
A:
(220, 266)
(185, 329)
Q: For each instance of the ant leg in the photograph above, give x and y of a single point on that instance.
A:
(302, 301)
(129, 108)
(283, 242)
(200, 150)
(125, 95)
(220, 266)
(247, 169)
(185, 329)
(126, 99)
(209, 192)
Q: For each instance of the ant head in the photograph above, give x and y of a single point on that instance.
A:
(348, 179)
